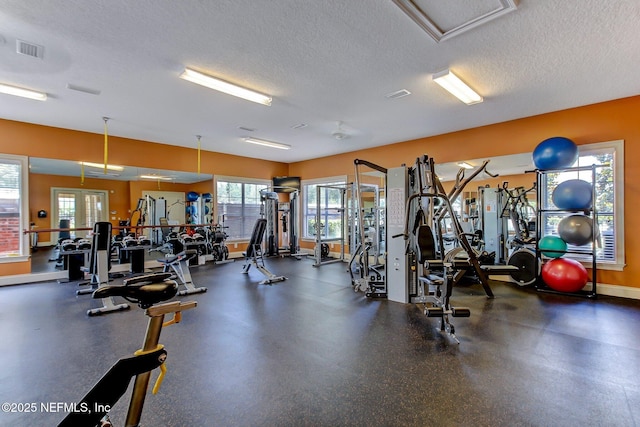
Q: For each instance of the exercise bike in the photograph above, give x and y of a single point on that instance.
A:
(146, 291)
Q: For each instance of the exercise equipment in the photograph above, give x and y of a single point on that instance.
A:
(576, 229)
(323, 216)
(179, 264)
(552, 246)
(75, 255)
(573, 194)
(63, 234)
(216, 242)
(520, 213)
(554, 153)
(579, 231)
(131, 249)
(146, 291)
(367, 266)
(99, 266)
(269, 201)
(564, 275)
(282, 221)
(528, 268)
(424, 271)
(253, 255)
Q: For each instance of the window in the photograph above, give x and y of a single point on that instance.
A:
(238, 205)
(330, 205)
(609, 190)
(13, 207)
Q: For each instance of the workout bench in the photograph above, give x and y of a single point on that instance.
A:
(253, 255)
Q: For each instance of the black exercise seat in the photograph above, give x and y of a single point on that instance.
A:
(144, 290)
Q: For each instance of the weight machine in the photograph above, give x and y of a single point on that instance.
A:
(367, 239)
(99, 266)
(422, 269)
(282, 221)
(321, 250)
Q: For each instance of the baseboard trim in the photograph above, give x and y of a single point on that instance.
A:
(22, 279)
(603, 288)
(618, 291)
(31, 278)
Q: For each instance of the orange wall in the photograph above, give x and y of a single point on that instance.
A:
(55, 143)
(601, 122)
(594, 123)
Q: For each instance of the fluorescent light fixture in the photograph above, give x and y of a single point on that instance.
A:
(25, 93)
(156, 177)
(464, 165)
(222, 86)
(457, 87)
(101, 166)
(267, 143)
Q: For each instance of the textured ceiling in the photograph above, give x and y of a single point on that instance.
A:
(322, 61)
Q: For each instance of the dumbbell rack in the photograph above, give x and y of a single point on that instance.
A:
(545, 208)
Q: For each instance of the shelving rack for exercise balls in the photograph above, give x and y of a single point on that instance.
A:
(545, 210)
(193, 208)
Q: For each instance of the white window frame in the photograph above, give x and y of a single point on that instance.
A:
(235, 179)
(24, 250)
(304, 184)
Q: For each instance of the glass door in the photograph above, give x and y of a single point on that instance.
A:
(78, 209)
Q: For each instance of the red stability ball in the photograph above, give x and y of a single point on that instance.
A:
(564, 275)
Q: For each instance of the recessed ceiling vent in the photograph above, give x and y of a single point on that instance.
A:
(29, 49)
(398, 94)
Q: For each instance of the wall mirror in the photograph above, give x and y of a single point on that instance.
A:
(86, 193)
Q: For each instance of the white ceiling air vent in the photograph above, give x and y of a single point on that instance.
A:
(397, 94)
(29, 49)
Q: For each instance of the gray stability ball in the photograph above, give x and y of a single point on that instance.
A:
(576, 229)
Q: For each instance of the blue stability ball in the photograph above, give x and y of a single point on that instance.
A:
(207, 197)
(576, 229)
(192, 196)
(555, 153)
(573, 194)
